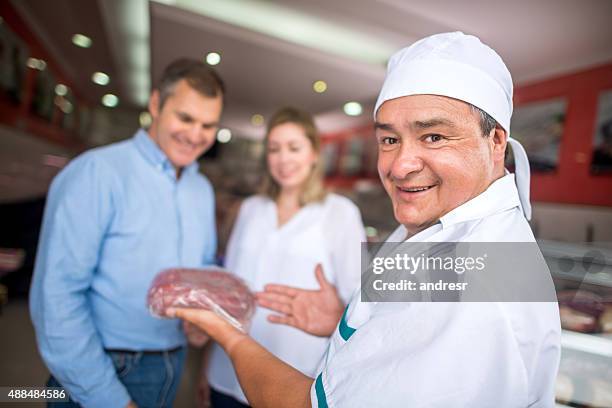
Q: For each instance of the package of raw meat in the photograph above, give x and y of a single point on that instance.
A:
(580, 310)
(605, 320)
(212, 289)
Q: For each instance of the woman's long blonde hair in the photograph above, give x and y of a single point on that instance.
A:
(313, 189)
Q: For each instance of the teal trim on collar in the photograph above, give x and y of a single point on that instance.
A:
(345, 330)
(321, 398)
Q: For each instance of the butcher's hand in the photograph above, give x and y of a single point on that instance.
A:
(217, 328)
(195, 336)
(314, 311)
(131, 404)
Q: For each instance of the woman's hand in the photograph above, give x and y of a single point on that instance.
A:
(314, 311)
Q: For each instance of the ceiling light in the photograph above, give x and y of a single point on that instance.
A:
(213, 58)
(353, 108)
(110, 100)
(54, 160)
(61, 90)
(319, 86)
(257, 119)
(36, 63)
(224, 135)
(100, 78)
(81, 40)
(145, 119)
(66, 106)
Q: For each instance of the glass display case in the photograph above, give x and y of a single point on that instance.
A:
(601, 162)
(43, 99)
(583, 279)
(351, 161)
(13, 56)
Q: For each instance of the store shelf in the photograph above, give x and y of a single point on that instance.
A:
(600, 345)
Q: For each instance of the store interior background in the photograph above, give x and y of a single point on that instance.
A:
(272, 52)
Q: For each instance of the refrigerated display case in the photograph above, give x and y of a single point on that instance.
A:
(585, 372)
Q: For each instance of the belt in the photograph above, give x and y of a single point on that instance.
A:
(169, 351)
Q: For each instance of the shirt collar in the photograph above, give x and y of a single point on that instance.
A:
(151, 151)
(500, 196)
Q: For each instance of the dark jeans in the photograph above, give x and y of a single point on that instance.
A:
(220, 400)
(151, 379)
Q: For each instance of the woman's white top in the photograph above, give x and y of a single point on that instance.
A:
(261, 252)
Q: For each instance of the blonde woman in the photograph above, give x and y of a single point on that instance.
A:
(280, 237)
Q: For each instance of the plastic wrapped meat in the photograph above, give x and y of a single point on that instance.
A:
(572, 319)
(580, 310)
(210, 289)
(605, 320)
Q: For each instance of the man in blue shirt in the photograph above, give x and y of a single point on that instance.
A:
(115, 217)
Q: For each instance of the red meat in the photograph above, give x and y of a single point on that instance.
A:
(580, 310)
(211, 289)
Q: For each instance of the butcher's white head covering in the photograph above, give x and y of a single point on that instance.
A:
(459, 66)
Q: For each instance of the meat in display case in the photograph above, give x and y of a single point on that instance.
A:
(583, 279)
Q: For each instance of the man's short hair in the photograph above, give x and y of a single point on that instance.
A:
(487, 123)
(198, 75)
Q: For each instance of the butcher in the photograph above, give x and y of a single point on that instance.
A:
(442, 123)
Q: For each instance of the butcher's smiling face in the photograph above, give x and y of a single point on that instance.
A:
(433, 157)
(186, 125)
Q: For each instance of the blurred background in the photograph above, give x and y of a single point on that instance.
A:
(76, 74)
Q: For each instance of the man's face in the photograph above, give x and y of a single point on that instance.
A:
(432, 157)
(186, 125)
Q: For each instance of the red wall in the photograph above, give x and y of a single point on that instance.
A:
(572, 182)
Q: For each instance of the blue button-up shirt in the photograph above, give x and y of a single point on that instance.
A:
(115, 217)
